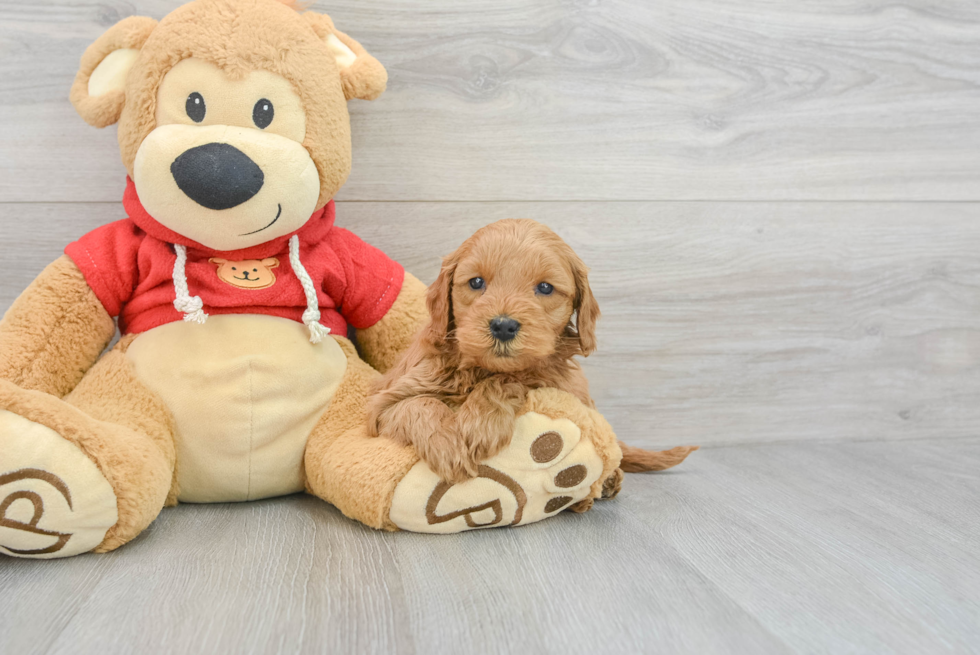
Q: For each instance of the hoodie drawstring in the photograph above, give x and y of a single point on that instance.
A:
(192, 307)
(311, 317)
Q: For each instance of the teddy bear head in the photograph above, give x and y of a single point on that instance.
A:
(233, 122)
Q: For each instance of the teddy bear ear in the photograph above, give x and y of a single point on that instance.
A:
(98, 91)
(271, 262)
(362, 75)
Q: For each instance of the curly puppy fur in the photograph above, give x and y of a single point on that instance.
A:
(455, 393)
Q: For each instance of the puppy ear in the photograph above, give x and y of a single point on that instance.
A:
(98, 92)
(439, 299)
(585, 305)
(362, 75)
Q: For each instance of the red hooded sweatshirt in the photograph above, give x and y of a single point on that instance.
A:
(130, 266)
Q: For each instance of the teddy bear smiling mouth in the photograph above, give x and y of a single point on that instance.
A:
(278, 214)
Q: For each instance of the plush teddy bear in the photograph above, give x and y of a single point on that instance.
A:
(234, 379)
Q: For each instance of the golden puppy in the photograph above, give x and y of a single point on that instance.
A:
(502, 312)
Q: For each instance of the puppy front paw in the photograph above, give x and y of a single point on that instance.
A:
(429, 426)
(447, 456)
(485, 441)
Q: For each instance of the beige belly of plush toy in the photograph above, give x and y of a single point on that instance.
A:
(245, 392)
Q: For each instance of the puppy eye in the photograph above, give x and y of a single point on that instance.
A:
(477, 283)
(195, 107)
(262, 113)
(545, 289)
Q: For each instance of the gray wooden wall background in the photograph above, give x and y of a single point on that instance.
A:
(779, 201)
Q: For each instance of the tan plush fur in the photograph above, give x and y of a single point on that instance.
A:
(112, 393)
(383, 343)
(239, 36)
(366, 78)
(131, 446)
(344, 466)
(105, 110)
(54, 331)
(455, 395)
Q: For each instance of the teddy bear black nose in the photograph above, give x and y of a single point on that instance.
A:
(217, 175)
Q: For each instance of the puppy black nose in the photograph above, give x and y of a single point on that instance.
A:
(217, 175)
(504, 328)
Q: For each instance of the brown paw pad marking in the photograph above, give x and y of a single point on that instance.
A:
(35, 499)
(557, 503)
(571, 477)
(547, 447)
(504, 480)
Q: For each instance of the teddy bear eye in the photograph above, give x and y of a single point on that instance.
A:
(545, 289)
(233, 268)
(262, 113)
(255, 270)
(195, 107)
(477, 283)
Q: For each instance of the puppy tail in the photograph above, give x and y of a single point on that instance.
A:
(636, 460)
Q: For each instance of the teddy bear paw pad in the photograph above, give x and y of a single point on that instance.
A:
(54, 501)
(547, 467)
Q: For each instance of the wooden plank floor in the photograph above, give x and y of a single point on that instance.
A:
(775, 548)
(780, 203)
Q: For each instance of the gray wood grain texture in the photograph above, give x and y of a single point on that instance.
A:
(780, 548)
(722, 322)
(576, 99)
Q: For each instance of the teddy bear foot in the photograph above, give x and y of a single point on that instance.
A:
(558, 458)
(54, 501)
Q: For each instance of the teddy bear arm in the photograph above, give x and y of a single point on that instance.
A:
(54, 331)
(383, 343)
